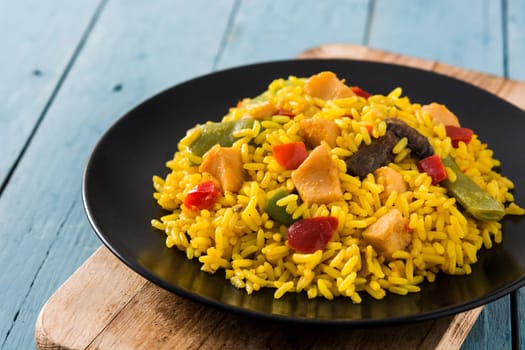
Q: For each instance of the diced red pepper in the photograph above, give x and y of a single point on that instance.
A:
(434, 167)
(458, 134)
(309, 235)
(360, 92)
(290, 155)
(202, 196)
(370, 128)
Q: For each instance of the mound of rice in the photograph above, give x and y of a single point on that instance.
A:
(238, 236)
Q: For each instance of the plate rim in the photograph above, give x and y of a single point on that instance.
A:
(134, 266)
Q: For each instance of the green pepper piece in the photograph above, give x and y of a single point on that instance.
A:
(218, 134)
(276, 212)
(472, 198)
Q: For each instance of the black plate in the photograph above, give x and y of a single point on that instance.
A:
(117, 192)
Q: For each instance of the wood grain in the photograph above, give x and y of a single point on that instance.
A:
(360, 52)
(105, 305)
(508, 89)
(88, 301)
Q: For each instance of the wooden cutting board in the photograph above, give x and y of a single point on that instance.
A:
(105, 305)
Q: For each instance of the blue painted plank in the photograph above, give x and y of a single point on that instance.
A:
(520, 317)
(135, 49)
(465, 33)
(516, 70)
(63, 257)
(493, 328)
(36, 48)
(516, 39)
(272, 30)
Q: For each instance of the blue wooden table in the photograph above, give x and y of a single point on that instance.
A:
(69, 69)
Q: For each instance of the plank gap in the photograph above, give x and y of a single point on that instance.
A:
(229, 27)
(54, 93)
(505, 36)
(514, 320)
(37, 273)
(10, 327)
(369, 21)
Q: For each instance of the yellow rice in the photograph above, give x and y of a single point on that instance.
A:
(238, 236)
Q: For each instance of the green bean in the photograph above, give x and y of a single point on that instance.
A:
(476, 201)
(218, 134)
(276, 212)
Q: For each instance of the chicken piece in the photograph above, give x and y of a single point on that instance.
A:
(327, 86)
(225, 164)
(315, 130)
(391, 180)
(388, 233)
(441, 114)
(317, 178)
(261, 110)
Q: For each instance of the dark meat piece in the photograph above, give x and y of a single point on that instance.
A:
(379, 153)
(375, 155)
(417, 143)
